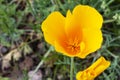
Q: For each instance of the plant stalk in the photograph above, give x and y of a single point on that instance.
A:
(42, 61)
(72, 68)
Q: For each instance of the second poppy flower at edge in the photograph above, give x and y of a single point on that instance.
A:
(94, 70)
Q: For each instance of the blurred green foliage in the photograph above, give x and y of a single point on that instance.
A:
(3, 78)
(8, 23)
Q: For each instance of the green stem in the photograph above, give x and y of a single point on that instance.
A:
(109, 21)
(42, 61)
(72, 68)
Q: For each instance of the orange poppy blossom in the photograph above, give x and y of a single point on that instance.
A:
(76, 35)
(94, 70)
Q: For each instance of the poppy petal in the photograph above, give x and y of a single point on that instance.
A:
(61, 49)
(92, 40)
(72, 28)
(53, 27)
(87, 17)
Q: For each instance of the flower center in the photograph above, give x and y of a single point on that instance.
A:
(73, 46)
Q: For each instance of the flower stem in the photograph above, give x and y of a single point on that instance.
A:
(109, 21)
(72, 68)
(42, 61)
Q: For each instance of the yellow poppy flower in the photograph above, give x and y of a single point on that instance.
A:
(93, 71)
(76, 35)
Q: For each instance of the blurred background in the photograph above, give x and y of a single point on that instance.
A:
(22, 45)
